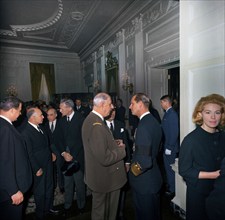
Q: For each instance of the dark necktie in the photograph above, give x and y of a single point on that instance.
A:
(39, 129)
(68, 119)
(111, 127)
(52, 127)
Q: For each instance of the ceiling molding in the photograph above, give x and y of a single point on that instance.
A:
(38, 26)
(80, 26)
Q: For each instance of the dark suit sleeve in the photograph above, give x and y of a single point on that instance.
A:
(15, 172)
(33, 160)
(143, 143)
(185, 162)
(171, 131)
(59, 135)
(75, 142)
(127, 142)
(23, 167)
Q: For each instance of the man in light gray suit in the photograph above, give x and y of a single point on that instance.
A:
(104, 166)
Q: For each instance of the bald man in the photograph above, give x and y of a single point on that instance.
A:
(41, 162)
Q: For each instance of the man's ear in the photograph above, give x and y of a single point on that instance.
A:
(12, 111)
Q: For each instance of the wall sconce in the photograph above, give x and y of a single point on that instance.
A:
(96, 86)
(12, 90)
(127, 85)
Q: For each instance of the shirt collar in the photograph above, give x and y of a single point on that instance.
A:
(109, 122)
(98, 114)
(146, 113)
(6, 119)
(71, 115)
(35, 126)
(54, 122)
(168, 109)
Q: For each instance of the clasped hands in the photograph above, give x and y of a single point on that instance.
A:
(67, 156)
(120, 143)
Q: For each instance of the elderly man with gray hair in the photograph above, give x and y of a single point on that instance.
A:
(104, 167)
(41, 162)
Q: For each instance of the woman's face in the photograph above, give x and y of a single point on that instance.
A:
(211, 116)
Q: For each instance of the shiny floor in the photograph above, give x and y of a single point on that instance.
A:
(167, 211)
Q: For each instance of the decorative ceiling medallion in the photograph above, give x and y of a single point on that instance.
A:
(38, 26)
(76, 15)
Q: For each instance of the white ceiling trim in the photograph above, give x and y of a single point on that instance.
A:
(38, 26)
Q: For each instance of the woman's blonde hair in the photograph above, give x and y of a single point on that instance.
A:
(210, 99)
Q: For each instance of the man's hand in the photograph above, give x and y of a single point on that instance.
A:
(39, 172)
(53, 157)
(120, 143)
(17, 198)
(67, 156)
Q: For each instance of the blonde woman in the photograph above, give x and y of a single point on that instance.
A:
(201, 153)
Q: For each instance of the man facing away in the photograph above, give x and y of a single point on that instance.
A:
(104, 166)
(120, 111)
(145, 186)
(15, 171)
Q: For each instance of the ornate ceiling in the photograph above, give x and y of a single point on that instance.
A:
(66, 25)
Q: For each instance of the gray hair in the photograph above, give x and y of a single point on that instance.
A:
(31, 112)
(100, 98)
(68, 102)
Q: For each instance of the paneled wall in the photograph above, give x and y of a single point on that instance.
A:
(145, 46)
(14, 71)
(202, 69)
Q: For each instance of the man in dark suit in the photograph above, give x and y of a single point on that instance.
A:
(170, 141)
(41, 162)
(133, 123)
(15, 170)
(120, 111)
(104, 167)
(146, 184)
(154, 112)
(80, 108)
(120, 133)
(51, 127)
(71, 148)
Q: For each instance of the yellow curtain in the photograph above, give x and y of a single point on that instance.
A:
(36, 71)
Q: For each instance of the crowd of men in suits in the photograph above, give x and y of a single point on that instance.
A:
(52, 137)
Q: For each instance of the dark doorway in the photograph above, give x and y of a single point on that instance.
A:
(174, 86)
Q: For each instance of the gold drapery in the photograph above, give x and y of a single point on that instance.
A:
(36, 71)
